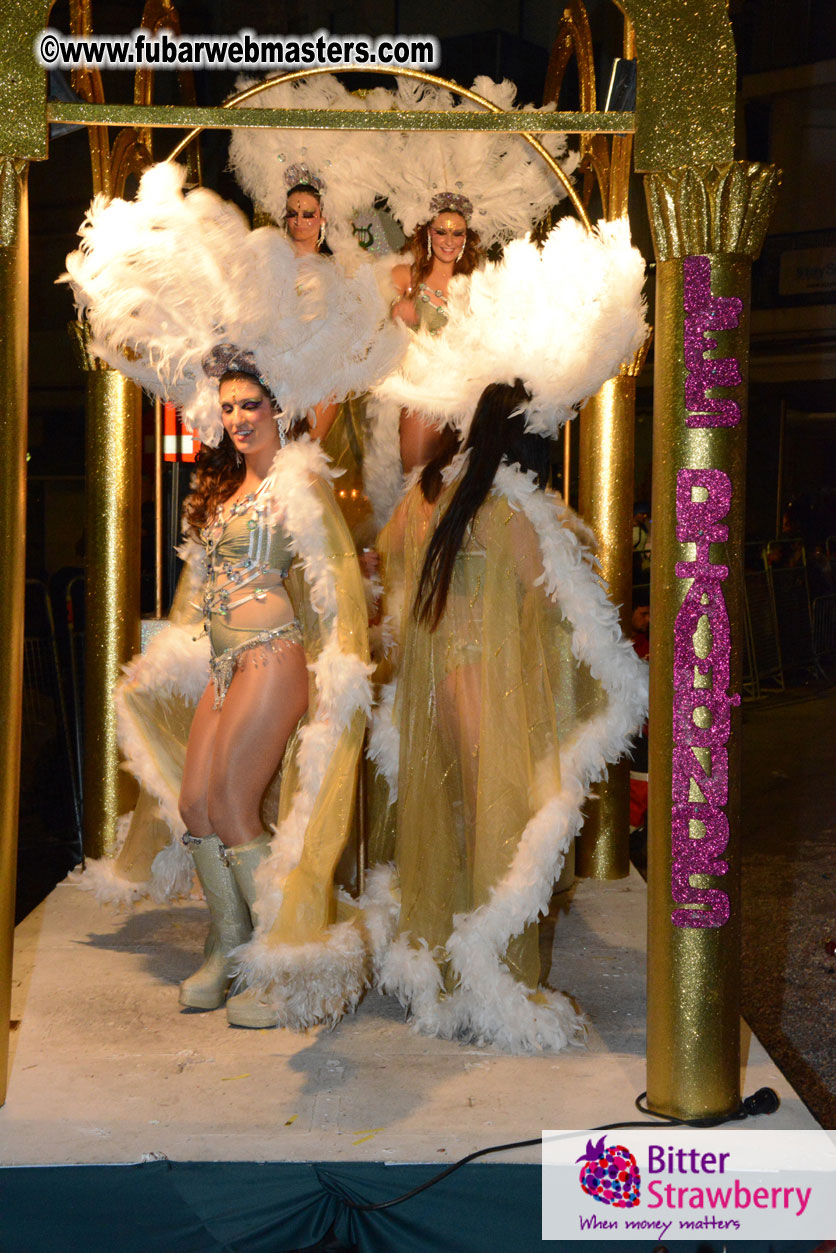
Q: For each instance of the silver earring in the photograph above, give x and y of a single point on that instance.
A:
(461, 250)
(321, 237)
(238, 458)
(429, 247)
(281, 429)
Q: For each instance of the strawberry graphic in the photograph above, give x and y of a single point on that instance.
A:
(610, 1175)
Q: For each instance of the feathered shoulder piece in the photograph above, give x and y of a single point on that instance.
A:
(168, 279)
(562, 318)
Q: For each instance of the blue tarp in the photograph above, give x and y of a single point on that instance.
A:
(276, 1207)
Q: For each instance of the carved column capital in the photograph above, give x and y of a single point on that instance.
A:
(81, 337)
(633, 368)
(700, 210)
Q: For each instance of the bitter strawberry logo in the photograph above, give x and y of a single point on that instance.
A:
(610, 1175)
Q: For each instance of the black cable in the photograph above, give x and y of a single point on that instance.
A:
(448, 1170)
(764, 1101)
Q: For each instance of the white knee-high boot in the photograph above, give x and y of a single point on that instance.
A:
(247, 1008)
(229, 924)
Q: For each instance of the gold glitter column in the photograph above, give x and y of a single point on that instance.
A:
(111, 590)
(14, 367)
(605, 502)
(708, 224)
(23, 138)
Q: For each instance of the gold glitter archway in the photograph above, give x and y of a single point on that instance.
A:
(699, 199)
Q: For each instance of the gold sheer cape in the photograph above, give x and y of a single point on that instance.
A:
(344, 443)
(308, 953)
(504, 715)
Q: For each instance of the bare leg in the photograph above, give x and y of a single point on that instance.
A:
(459, 700)
(194, 789)
(266, 698)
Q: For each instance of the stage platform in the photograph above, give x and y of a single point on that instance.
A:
(107, 1070)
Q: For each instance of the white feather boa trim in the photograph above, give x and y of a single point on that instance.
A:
(385, 740)
(313, 983)
(174, 663)
(490, 1005)
(100, 877)
(309, 983)
(380, 904)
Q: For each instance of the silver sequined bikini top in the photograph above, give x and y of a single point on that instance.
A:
(241, 549)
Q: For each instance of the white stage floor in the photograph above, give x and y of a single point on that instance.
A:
(108, 1069)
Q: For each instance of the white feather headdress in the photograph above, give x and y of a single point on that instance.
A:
(562, 319)
(268, 163)
(504, 180)
(167, 278)
(507, 183)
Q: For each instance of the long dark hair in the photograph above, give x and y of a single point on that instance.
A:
(431, 480)
(217, 475)
(494, 436)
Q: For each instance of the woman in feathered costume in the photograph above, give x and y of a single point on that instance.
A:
(260, 725)
(316, 187)
(515, 687)
(455, 195)
(440, 248)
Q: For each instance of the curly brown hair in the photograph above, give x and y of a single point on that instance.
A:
(422, 261)
(218, 473)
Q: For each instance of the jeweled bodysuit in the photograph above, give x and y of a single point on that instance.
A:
(434, 317)
(245, 605)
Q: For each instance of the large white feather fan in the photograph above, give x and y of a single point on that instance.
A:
(166, 278)
(562, 319)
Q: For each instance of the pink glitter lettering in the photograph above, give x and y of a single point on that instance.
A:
(705, 314)
(701, 703)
